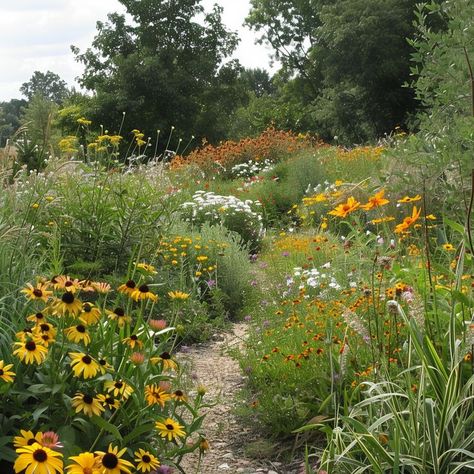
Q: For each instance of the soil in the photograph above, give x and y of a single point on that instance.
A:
(211, 365)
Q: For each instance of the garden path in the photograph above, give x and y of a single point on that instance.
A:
(211, 365)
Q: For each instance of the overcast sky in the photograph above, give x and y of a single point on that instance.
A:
(35, 35)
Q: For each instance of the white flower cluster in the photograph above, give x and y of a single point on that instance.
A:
(321, 188)
(251, 168)
(314, 278)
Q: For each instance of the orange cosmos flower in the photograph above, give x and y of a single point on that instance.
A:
(346, 208)
(376, 201)
(408, 221)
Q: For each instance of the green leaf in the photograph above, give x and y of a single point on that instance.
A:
(137, 432)
(105, 425)
(454, 225)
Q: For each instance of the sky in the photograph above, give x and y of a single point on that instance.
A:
(36, 35)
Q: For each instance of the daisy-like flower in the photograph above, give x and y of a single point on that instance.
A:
(376, 201)
(137, 358)
(87, 285)
(38, 292)
(143, 293)
(5, 374)
(67, 284)
(109, 401)
(90, 314)
(118, 314)
(408, 221)
(78, 334)
(83, 364)
(146, 461)
(118, 388)
(449, 247)
(179, 396)
(155, 395)
(170, 429)
(111, 462)
(104, 366)
(89, 404)
(147, 268)
(409, 199)
(51, 440)
(133, 341)
(37, 318)
(38, 459)
(101, 287)
(68, 304)
(178, 295)
(343, 210)
(30, 352)
(127, 288)
(165, 360)
(27, 438)
(43, 338)
(45, 328)
(84, 463)
(24, 334)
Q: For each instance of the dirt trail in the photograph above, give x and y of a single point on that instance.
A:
(212, 366)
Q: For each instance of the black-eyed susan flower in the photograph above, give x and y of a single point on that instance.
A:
(24, 335)
(133, 341)
(127, 288)
(118, 388)
(38, 459)
(146, 461)
(27, 438)
(165, 360)
(143, 293)
(170, 429)
(104, 366)
(66, 283)
(111, 462)
(30, 352)
(45, 328)
(37, 318)
(155, 395)
(68, 304)
(88, 404)
(38, 292)
(78, 334)
(179, 396)
(90, 314)
(83, 364)
(109, 401)
(449, 247)
(118, 314)
(84, 463)
(178, 295)
(5, 373)
(43, 338)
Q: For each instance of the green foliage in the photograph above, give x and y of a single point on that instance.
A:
(47, 85)
(10, 118)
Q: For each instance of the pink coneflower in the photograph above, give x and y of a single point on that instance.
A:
(157, 324)
(164, 385)
(137, 358)
(51, 440)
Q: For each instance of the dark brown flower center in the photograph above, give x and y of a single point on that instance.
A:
(134, 337)
(87, 399)
(178, 393)
(30, 346)
(80, 328)
(67, 298)
(165, 356)
(102, 362)
(144, 289)
(39, 315)
(31, 441)
(37, 292)
(110, 400)
(68, 283)
(119, 312)
(169, 427)
(146, 459)
(87, 308)
(109, 461)
(130, 284)
(1, 372)
(118, 385)
(44, 327)
(87, 359)
(40, 455)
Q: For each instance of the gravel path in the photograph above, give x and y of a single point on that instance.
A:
(211, 366)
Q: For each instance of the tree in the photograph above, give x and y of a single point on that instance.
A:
(10, 118)
(49, 85)
(164, 69)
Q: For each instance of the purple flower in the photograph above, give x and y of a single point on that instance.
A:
(253, 283)
(285, 254)
(266, 323)
(248, 317)
(164, 469)
(211, 283)
(253, 257)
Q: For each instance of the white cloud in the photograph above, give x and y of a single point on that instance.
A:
(36, 35)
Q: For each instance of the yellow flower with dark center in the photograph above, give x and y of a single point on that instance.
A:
(118, 314)
(127, 288)
(408, 221)
(118, 388)
(38, 292)
(170, 429)
(83, 364)
(45, 328)
(111, 462)
(343, 210)
(178, 295)
(27, 438)
(68, 304)
(84, 463)
(376, 201)
(37, 318)
(143, 293)
(148, 268)
(179, 396)
(37, 459)
(87, 403)
(66, 283)
(155, 395)
(449, 247)
(90, 314)
(109, 401)
(104, 366)
(78, 334)
(5, 374)
(43, 338)
(30, 352)
(146, 461)
(165, 360)
(133, 341)
(409, 199)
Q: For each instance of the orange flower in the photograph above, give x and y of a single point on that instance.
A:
(410, 199)
(376, 201)
(408, 221)
(346, 208)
